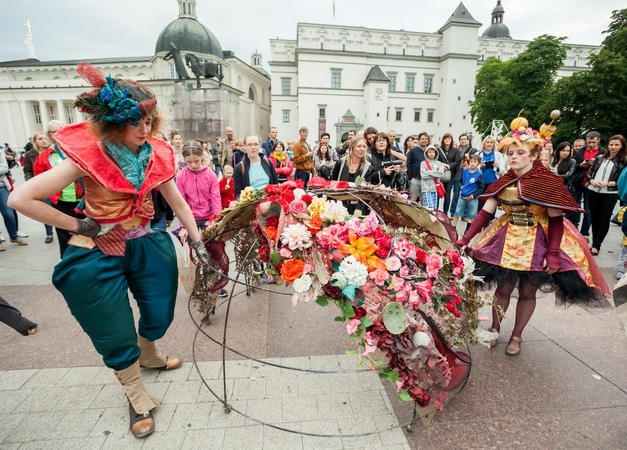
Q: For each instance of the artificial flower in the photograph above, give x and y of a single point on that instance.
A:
(352, 326)
(247, 194)
(292, 269)
(314, 224)
(307, 198)
(362, 248)
(392, 263)
(421, 256)
(355, 272)
(285, 252)
(379, 276)
(424, 290)
(365, 227)
(317, 206)
(434, 264)
(421, 339)
(403, 248)
(264, 253)
(298, 207)
(334, 211)
(339, 184)
(298, 193)
(296, 236)
(396, 283)
(332, 236)
(271, 232)
(272, 221)
(302, 284)
(318, 182)
(404, 272)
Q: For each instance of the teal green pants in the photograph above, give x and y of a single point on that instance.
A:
(95, 287)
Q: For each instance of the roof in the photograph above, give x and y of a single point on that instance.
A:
(73, 62)
(497, 30)
(460, 16)
(376, 74)
(189, 35)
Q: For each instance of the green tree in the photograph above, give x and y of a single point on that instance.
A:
(504, 88)
(596, 99)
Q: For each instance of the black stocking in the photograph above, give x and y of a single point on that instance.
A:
(503, 294)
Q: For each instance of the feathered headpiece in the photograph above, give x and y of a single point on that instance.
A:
(526, 137)
(116, 101)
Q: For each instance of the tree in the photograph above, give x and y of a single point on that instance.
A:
(504, 88)
(597, 99)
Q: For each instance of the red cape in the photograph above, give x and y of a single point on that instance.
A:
(539, 186)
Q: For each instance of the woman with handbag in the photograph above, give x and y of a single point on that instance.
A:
(430, 172)
(565, 165)
(603, 193)
(449, 155)
(323, 162)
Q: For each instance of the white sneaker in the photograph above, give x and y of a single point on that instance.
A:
(22, 234)
(2, 239)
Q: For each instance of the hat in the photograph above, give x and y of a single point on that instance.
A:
(526, 137)
(117, 101)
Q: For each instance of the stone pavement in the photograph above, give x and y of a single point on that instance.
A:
(567, 388)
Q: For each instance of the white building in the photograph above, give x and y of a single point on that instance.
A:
(33, 92)
(337, 78)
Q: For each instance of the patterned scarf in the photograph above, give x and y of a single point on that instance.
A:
(132, 166)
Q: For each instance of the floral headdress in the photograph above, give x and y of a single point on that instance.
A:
(115, 101)
(526, 137)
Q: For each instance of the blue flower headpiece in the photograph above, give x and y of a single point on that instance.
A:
(122, 108)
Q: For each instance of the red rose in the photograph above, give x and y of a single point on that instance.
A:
(273, 189)
(272, 221)
(383, 242)
(288, 195)
(264, 253)
(299, 183)
(359, 312)
(332, 291)
(307, 198)
(421, 256)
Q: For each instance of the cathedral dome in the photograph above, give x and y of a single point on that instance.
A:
(188, 34)
(497, 28)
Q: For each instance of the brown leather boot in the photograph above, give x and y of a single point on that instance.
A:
(141, 403)
(152, 359)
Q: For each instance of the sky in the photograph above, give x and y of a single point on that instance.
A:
(75, 29)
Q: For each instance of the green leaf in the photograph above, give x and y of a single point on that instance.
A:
(393, 376)
(351, 352)
(340, 319)
(403, 396)
(347, 309)
(366, 322)
(323, 300)
(274, 257)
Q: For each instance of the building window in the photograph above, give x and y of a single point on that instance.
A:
(343, 47)
(392, 84)
(37, 114)
(385, 50)
(322, 113)
(69, 112)
(399, 115)
(429, 116)
(321, 46)
(454, 80)
(53, 113)
(428, 84)
(173, 72)
(285, 86)
(403, 52)
(416, 115)
(336, 79)
(251, 94)
(409, 83)
(286, 116)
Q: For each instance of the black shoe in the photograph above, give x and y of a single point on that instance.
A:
(223, 293)
(48, 240)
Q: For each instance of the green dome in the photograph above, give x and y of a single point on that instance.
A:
(189, 35)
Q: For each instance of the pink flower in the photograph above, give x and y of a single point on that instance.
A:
(285, 252)
(392, 263)
(352, 326)
(379, 276)
(402, 295)
(424, 290)
(404, 249)
(308, 268)
(404, 272)
(298, 207)
(396, 284)
(365, 227)
(332, 236)
(434, 264)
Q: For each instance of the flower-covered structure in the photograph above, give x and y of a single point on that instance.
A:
(405, 295)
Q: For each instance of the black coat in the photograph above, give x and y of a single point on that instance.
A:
(580, 172)
(240, 174)
(614, 174)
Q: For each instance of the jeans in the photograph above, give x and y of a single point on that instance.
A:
(48, 227)
(8, 214)
(467, 209)
(159, 224)
(452, 195)
(303, 176)
(218, 170)
(601, 207)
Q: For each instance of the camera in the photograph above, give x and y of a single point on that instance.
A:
(489, 164)
(392, 163)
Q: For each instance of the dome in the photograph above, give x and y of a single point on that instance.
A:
(189, 35)
(497, 30)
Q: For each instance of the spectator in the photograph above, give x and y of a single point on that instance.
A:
(472, 187)
(323, 162)
(430, 170)
(281, 162)
(253, 170)
(268, 144)
(227, 187)
(303, 157)
(449, 156)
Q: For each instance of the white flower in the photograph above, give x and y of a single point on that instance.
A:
(302, 284)
(355, 272)
(339, 280)
(469, 268)
(298, 193)
(296, 236)
(421, 339)
(335, 212)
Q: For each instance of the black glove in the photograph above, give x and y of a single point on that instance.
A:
(88, 227)
(201, 251)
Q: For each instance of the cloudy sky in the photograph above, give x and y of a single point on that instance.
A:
(75, 29)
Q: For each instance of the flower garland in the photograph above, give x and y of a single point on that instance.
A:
(392, 286)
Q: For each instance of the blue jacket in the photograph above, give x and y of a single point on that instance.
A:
(414, 158)
(472, 183)
(267, 146)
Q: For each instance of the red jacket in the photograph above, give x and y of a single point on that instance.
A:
(283, 168)
(43, 164)
(227, 194)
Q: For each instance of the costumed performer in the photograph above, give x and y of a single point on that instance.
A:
(531, 246)
(114, 248)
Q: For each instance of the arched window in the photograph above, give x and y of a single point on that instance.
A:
(251, 94)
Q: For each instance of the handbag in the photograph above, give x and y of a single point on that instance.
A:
(447, 173)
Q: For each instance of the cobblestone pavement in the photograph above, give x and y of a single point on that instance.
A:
(567, 388)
